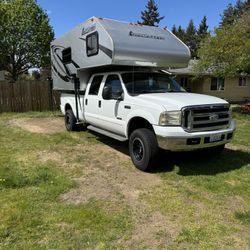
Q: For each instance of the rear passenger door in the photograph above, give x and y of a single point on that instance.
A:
(91, 102)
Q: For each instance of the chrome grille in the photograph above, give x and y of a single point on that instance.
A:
(205, 118)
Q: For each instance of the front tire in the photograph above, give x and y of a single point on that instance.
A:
(70, 120)
(143, 148)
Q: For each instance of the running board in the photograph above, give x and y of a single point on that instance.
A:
(107, 133)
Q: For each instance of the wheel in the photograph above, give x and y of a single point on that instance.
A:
(70, 120)
(143, 148)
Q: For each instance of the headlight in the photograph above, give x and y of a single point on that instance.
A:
(172, 118)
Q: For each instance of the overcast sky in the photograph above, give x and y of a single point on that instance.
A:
(65, 15)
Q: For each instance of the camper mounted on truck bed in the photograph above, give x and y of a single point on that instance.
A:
(113, 80)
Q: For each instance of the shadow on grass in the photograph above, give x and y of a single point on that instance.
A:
(189, 163)
(201, 162)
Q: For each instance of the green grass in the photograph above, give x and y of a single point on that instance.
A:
(32, 216)
(205, 199)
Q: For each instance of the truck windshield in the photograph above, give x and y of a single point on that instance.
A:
(150, 82)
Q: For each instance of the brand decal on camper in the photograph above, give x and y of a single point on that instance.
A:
(131, 33)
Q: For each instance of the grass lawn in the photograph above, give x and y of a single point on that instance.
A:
(61, 190)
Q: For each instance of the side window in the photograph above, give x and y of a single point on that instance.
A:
(66, 56)
(114, 82)
(217, 83)
(92, 44)
(95, 85)
(242, 81)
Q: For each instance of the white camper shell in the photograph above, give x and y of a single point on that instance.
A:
(102, 42)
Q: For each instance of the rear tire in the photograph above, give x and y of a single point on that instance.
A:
(70, 120)
(143, 148)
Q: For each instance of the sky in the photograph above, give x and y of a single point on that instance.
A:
(65, 15)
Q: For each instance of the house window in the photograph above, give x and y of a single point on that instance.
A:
(242, 81)
(217, 83)
(92, 44)
(184, 82)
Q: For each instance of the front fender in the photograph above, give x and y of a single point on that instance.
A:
(141, 114)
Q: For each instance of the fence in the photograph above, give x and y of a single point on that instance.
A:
(26, 96)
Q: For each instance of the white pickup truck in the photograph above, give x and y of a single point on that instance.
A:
(119, 89)
(151, 110)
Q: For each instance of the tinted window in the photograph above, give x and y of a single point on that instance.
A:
(92, 44)
(66, 55)
(114, 82)
(95, 85)
(143, 83)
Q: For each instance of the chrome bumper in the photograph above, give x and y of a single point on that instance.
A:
(183, 141)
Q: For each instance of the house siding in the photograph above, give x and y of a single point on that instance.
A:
(232, 92)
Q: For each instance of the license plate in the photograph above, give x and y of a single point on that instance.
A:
(214, 138)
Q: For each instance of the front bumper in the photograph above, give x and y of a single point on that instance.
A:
(176, 139)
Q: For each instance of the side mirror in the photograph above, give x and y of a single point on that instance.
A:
(107, 93)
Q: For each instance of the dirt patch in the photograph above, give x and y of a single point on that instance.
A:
(237, 147)
(110, 176)
(40, 125)
(106, 176)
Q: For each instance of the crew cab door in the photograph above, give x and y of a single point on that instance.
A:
(92, 99)
(110, 110)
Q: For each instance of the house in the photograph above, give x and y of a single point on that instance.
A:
(235, 89)
(2, 75)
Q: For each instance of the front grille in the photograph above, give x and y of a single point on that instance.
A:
(205, 118)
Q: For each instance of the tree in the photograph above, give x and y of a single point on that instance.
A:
(151, 16)
(191, 38)
(174, 30)
(25, 36)
(203, 28)
(227, 54)
(181, 34)
(233, 13)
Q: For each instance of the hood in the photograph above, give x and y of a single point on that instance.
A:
(176, 101)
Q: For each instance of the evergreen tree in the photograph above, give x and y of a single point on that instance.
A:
(174, 30)
(181, 34)
(151, 15)
(233, 13)
(203, 28)
(191, 38)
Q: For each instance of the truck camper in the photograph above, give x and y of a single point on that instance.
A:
(113, 79)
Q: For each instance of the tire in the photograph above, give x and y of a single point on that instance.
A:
(143, 148)
(70, 120)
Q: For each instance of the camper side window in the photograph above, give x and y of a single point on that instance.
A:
(95, 85)
(92, 44)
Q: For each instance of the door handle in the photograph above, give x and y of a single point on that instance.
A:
(86, 101)
(99, 104)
